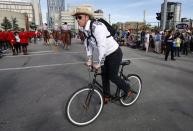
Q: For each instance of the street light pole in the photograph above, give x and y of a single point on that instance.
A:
(109, 18)
(164, 15)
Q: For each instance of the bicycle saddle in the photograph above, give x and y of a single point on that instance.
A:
(126, 62)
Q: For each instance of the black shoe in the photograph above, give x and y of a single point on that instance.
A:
(130, 93)
(173, 59)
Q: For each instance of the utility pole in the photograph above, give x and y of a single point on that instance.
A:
(164, 15)
(144, 16)
(110, 19)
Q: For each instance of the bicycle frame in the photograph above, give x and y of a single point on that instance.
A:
(95, 84)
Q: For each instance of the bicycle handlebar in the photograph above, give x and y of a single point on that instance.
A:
(96, 71)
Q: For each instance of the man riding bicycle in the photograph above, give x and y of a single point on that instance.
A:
(109, 52)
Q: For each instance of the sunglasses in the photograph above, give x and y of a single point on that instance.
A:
(79, 17)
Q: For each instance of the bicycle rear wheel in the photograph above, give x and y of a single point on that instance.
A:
(84, 106)
(135, 87)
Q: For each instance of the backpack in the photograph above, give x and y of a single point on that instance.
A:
(108, 26)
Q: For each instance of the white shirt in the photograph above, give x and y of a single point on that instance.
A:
(45, 27)
(66, 27)
(147, 37)
(104, 45)
(56, 28)
(17, 38)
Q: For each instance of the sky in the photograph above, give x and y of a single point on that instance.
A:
(128, 10)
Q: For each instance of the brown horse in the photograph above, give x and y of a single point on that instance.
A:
(81, 36)
(46, 36)
(66, 39)
(56, 35)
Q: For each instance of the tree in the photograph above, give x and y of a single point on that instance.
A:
(15, 25)
(33, 26)
(6, 24)
(115, 26)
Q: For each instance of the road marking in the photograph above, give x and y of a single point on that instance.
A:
(142, 58)
(46, 53)
(52, 65)
(40, 66)
(38, 52)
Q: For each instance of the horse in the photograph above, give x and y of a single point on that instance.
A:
(81, 36)
(56, 35)
(46, 36)
(66, 38)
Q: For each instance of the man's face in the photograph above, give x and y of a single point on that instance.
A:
(82, 20)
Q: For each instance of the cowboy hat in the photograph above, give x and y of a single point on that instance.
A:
(83, 10)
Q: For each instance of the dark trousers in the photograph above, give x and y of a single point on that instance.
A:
(24, 48)
(177, 51)
(191, 45)
(185, 48)
(16, 47)
(169, 47)
(110, 71)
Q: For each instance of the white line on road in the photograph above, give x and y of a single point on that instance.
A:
(40, 66)
(52, 65)
(46, 53)
(38, 52)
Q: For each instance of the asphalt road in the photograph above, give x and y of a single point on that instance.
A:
(34, 90)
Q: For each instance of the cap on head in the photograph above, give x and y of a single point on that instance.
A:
(83, 10)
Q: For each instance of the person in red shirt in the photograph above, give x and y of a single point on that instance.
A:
(1, 40)
(24, 36)
(12, 42)
(6, 44)
(39, 34)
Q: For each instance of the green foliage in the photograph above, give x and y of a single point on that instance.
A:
(6, 24)
(33, 26)
(115, 26)
(15, 25)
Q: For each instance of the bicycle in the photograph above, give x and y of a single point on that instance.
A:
(86, 104)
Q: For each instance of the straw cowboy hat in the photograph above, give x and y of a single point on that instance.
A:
(83, 10)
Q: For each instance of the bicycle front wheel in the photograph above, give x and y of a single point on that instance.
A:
(135, 87)
(84, 106)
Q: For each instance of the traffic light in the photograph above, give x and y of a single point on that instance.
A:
(170, 15)
(158, 16)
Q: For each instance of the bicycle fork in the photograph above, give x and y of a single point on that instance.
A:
(88, 98)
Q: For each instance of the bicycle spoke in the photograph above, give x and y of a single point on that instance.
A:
(135, 87)
(84, 107)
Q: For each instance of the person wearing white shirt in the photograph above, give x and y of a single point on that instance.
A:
(45, 27)
(66, 35)
(56, 33)
(147, 35)
(45, 34)
(66, 27)
(109, 52)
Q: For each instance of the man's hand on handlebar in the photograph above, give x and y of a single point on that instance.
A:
(88, 63)
(93, 67)
(97, 66)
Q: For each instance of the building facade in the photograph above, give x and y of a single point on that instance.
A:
(21, 21)
(131, 26)
(55, 7)
(18, 6)
(174, 7)
(37, 12)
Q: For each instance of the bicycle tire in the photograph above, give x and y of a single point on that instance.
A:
(135, 86)
(76, 104)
